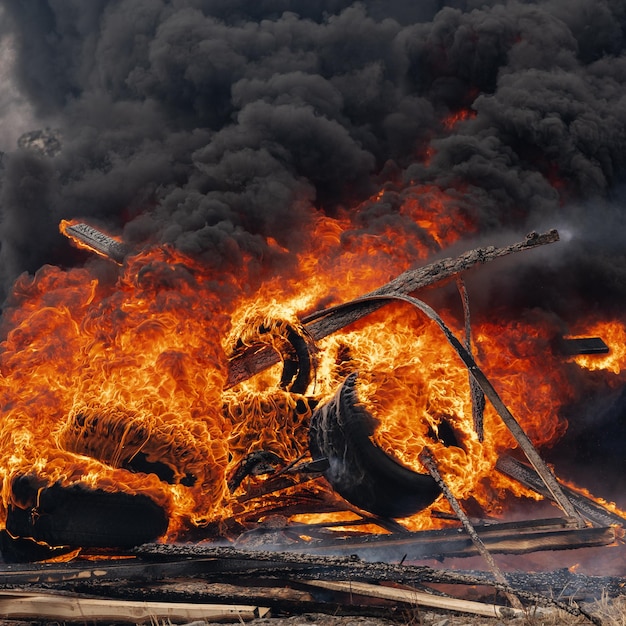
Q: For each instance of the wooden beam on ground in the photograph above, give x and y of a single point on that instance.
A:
(47, 606)
(419, 598)
(325, 322)
(564, 534)
(520, 537)
(23, 574)
(235, 566)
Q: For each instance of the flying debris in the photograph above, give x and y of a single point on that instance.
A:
(90, 238)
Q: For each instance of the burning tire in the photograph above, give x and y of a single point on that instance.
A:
(360, 471)
(291, 342)
(84, 518)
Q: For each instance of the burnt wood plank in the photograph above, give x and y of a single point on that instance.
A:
(590, 509)
(51, 606)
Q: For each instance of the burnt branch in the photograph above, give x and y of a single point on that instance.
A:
(430, 463)
(325, 322)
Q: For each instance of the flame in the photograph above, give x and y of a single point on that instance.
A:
(83, 359)
(458, 116)
(97, 376)
(412, 381)
(614, 334)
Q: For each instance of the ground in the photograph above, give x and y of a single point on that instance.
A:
(416, 617)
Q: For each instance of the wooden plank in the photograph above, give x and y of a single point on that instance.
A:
(100, 571)
(428, 460)
(288, 599)
(460, 545)
(77, 609)
(419, 598)
(488, 531)
(504, 537)
(588, 508)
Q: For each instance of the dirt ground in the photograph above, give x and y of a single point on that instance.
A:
(417, 617)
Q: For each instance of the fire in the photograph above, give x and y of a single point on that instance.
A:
(459, 116)
(120, 385)
(614, 334)
(92, 374)
(417, 387)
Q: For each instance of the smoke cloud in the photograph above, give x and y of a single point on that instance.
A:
(213, 124)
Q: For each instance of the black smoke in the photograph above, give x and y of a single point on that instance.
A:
(213, 124)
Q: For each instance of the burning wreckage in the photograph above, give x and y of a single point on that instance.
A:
(335, 432)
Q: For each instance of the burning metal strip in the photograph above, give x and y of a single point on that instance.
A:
(90, 238)
(574, 346)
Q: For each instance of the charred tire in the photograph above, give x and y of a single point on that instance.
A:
(360, 471)
(79, 517)
(294, 346)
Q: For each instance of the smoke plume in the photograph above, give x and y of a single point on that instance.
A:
(214, 124)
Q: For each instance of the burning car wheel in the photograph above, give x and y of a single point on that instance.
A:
(359, 470)
(291, 342)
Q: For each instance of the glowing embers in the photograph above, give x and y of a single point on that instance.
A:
(358, 469)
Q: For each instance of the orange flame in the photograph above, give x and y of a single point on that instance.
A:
(96, 374)
(459, 116)
(614, 334)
